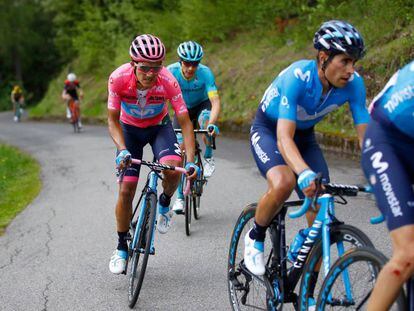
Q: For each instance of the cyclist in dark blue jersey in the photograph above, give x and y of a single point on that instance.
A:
(201, 97)
(388, 163)
(282, 136)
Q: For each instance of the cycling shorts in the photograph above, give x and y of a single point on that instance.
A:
(194, 114)
(162, 140)
(263, 143)
(388, 163)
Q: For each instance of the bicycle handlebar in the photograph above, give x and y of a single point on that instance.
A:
(339, 190)
(156, 166)
(213, 139)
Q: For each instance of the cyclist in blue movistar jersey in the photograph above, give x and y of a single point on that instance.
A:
(282, 136)
(387, 160)
(200, 94)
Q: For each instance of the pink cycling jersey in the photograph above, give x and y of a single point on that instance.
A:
(149, 110)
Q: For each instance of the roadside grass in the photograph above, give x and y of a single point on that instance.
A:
(19, 183)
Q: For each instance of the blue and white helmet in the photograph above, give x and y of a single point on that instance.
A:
(339, 37)
(190, 51)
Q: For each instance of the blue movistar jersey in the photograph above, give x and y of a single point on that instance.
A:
(296, 95)
(201, 87)
(394, 105)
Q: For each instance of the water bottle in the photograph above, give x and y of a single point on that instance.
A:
(297, 244)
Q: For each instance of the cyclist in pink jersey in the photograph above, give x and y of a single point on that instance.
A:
(137, 115)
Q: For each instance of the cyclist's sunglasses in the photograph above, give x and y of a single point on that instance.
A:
(190, 64)
(147, 69)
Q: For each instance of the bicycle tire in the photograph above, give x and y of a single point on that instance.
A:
(373, 257)
(74, 116)
(144, 239)
(187, 212)
(199, 191)
(338, 232)
(242, 293)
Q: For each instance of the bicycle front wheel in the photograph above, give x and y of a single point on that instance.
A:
(189, 203)
(362, 265)
(199, 184)
(342, 238)
(142, 250)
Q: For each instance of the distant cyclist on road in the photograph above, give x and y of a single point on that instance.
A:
(387, 160)
(282, 137)
(70, 91)
(137, 116)
(17, 99)
(201, 97)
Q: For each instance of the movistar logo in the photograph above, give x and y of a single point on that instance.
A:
(305, 77)
(381, 167)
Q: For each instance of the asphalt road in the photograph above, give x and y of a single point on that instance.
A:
(54, 255)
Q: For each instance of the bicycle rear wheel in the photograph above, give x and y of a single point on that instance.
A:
(74, 116)
(189, 203)
(341, 235)
(363, 266)
(142, 250)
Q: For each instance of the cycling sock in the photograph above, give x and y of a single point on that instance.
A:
(164, 201)
(258, 232)
(208, 153)
(180, 194)
(122, 243)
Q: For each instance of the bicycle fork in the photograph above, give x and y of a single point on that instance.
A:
(326, 202)
(152, 188)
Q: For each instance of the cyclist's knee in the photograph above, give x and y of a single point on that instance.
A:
(203, 118)
(127, 193)
(171, 175)
(282, 182)
(180, 139)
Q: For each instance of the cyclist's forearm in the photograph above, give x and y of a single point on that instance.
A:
(215, 109)
(361, 128)
(188, 135)
(115, 131)
(291, 154)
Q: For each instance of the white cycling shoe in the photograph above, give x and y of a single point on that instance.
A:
(254, 255)
(209, 167)
(178, 206)
(117, 263)
(164, 222)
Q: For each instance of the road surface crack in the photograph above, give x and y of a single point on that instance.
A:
(17, 251)
(46, 293)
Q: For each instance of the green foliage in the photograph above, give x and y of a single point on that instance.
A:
(19, 183)
(27, 52)
(246, 43)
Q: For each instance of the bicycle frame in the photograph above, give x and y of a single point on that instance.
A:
(320, 228)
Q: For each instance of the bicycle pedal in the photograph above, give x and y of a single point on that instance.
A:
(179, 212)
